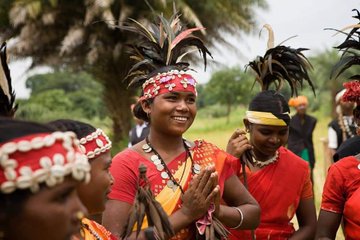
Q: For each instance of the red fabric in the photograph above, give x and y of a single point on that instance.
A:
(341, 194)
(124, 169)
(168, 82)
(278, 188)
(32, 158)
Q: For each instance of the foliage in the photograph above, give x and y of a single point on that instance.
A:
(84, 35)
(229, 86)
(62, 95)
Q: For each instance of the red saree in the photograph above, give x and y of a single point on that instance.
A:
(342, 194)
(278, 189)
(125, 165)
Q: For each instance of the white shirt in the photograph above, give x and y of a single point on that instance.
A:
(139, 129)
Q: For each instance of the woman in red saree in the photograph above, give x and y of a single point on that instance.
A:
(277, 178)
(187, 178)
(341, 194)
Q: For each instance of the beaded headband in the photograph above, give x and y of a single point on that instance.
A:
(171, 81)
(95, 144)
(48, 158)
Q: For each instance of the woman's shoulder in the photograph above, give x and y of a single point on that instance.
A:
(347, 163)
(292, 159)
(128, 156)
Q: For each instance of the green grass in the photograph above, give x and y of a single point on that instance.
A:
(218, 131)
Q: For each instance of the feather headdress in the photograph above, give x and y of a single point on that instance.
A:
(281, 64)
(161, 48)
(350, 48)
(7, 94)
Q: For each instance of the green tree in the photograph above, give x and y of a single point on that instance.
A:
(63, 33)
(326, 88)
(229, 86)
(62, 95)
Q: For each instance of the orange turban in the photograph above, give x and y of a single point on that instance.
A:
(299, 100)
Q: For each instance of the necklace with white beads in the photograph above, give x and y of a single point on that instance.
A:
(267, 162)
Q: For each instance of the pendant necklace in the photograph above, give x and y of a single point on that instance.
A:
(161, 166)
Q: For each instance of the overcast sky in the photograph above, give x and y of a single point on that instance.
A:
(304, 18)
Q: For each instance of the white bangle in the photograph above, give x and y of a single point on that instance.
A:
(241, 217)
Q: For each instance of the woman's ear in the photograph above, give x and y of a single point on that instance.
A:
(246, 124)
(145, 106)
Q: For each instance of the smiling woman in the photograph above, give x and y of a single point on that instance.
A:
(187, 178)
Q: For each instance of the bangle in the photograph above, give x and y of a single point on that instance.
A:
(241, 218)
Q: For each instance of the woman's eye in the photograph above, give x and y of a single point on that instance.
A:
(64, 196)
(191, 100)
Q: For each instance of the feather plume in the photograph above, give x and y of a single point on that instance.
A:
(161, 46)
(281, 64)
(350, 49)
(146, 205)
(7, 94)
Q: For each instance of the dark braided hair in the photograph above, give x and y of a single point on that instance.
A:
(273, 102)
(81, 129)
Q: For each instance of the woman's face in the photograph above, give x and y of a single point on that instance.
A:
(172, 113)
(50, 213)
(267, 139)
(94, 194)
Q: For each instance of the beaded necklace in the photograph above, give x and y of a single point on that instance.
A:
(161, 166)
(267, 162)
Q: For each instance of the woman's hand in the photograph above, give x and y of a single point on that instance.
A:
(201, 192)
(238, 143)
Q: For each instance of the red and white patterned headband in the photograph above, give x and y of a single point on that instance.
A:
(95, 144)
(48, 158)
(171, 81)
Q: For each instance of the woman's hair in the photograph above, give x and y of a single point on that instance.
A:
(139, 112)
(81, 129)
(273, 102)
(10, 129)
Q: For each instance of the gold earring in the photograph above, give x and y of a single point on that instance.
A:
(79, 215)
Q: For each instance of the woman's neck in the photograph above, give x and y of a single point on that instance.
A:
(167, 146)
(262, 157)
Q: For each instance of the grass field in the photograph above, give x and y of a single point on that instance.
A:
(218, 131)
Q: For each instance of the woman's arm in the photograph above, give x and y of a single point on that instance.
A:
(328, 224)
(306, 216)
(236, 195)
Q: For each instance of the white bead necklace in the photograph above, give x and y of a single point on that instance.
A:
(267, 162)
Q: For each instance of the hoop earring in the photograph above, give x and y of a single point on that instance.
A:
(148, 115)
(247, 130)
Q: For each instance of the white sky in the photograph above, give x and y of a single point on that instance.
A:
(304, 18)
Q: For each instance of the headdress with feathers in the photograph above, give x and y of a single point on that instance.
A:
(7, 94)
(281, 64)
(159, 50)
(161, 46)
(350, 48)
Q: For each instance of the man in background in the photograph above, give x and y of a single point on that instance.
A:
(301, 131)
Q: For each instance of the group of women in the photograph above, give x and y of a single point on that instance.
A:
(53, 175)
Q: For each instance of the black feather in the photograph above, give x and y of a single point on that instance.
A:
(350, 50)
(7, 102)
(156, 49)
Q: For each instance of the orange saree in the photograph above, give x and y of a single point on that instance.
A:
(124, 170)
(278, 189)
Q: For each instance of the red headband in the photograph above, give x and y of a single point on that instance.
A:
(28, 161)
(172, 81)
(95, 144)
